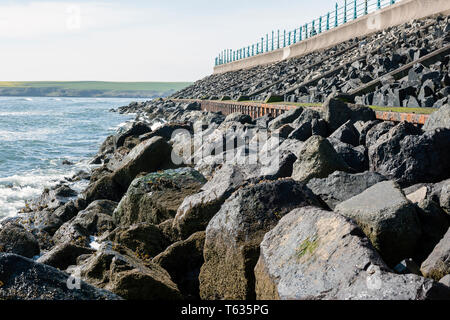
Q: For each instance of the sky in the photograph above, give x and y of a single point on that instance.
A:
(135, 40)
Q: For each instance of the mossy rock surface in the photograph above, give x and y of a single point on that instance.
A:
(156, 197)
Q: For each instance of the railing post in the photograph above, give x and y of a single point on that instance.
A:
(379, 4)
(300, 35)
(392, 1)
(306, 31)
(253, 50)
(328, 21)
(284, 39)
(289, 39)
(336, 23)
(273, 34)
(320, 24)
(366, 9)
(262, 45)
(278, 39)
(295, 36)
(313, 29)
(267, 42)
(257, 48)
(345, 11)
(355, 12)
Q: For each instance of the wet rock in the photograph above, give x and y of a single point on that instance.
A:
(437, 265)
(318, 160)
(234, 234)
(24, 279)
(341, 186)
(314, 254)
(156, 197)
(64, 255)
(95, 220)
(145, 240)
(16, 239)
(115, 269)
(183, 261)
(388, 219)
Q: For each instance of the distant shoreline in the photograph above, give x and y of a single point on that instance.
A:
(90, 89)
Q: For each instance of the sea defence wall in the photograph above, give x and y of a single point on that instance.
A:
(394, 15)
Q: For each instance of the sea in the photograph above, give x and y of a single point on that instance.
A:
(38, 134)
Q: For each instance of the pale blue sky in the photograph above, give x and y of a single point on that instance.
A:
(135, 40)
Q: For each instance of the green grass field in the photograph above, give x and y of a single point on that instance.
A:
(89, 88)
(98, 85)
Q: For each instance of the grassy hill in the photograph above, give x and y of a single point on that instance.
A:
(90, 89)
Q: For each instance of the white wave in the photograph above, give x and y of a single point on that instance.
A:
(28, 135)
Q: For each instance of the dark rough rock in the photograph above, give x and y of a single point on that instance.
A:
(54, 198)
(355, 157)
(377, 131)
(156, 197)
(239, 117)
(434, 223)
(337, 113)
(437, 265)
(408, 157)
(145, 240)
(347, 133)
(341, 186)
(116, 269)
(314, 254)
(363, 128)
(149, 156)
(318, 160)
(136, 129)
(234, 234)
(285, 118)
(24, 279)
(64, 255)
(183, 261)
(16, 239)
(438, 119)
(96, 219)
(388, 219)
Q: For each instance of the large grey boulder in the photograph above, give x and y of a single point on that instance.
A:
(95, 220)
(337, 112)
(438, 119)
(183, 260)
(156, 197)
(14, 238)
(437, 265)
(347, 133)
(149, 156)
(144, 239)
(24, 279)
(405, 155)
(285, 118)
(314, 254)
(63, 255)
(196, 210)
(317, 159)
(388, 219)
(341, 186)
(116, 269)
(234, 234)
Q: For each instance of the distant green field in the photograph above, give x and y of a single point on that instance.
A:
(90, 88)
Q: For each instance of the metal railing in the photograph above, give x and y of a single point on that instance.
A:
(350, 10)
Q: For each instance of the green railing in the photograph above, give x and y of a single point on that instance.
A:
(350, 10)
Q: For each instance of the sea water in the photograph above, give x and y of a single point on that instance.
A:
(38, 134)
